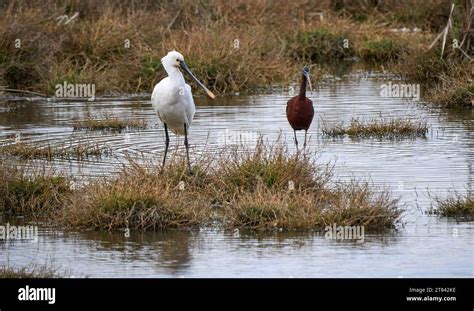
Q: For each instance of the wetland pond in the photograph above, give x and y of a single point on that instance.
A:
(425, 246)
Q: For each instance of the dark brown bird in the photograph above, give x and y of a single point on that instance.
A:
(299, 109)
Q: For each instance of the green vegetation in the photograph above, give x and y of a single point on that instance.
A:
(138, 199)
(320, 45)
(349, 204)
(383, 49)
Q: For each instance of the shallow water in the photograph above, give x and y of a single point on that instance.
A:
(425, 247)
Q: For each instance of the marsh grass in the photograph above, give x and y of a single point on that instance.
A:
(271, 165)
(263, 189)
(348, 204)
(447, 81)
(455, 205)
(253, 44)
(113, 124)
(33, 271)
(320, 45)
(34, 151)
(139, 198)
(453, 92)
(379, 128)
(383, 49)
(266, 188)
(34, 193)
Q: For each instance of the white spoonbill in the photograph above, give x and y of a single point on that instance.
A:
(173, 101)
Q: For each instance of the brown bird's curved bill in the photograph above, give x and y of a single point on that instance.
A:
(185, 68)
(309, 80)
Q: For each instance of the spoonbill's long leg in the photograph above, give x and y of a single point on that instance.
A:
(187, 147)
(167, 143)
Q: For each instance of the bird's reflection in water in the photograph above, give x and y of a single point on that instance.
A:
(169, 250)
(174, 251)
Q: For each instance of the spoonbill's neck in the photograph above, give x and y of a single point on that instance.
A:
(174, 73)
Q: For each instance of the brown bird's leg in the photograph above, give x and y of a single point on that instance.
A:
(296, 140)
(187, 148)
(167, 142)
(305, 134)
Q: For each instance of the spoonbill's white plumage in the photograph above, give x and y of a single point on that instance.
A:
(173, 101)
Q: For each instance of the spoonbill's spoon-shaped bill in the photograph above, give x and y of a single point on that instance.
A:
(183, 65)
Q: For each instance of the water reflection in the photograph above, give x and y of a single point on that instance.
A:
(169, 251)
(20, 114)
(174, 252)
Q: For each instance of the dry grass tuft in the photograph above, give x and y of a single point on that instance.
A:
(34, 194)
(393, 128)
(141, 199)
(456, 205)
(270, 165)
(32, 151)
(29, 272)
(352, 204)
(110, 124)
(263, 189)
